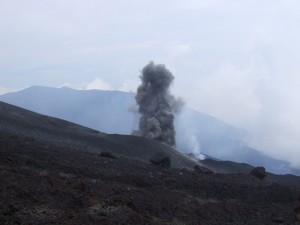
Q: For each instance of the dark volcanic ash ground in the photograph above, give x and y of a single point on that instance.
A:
(53, 172)
(47, 184)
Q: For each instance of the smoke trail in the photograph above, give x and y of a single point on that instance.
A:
(156, 104)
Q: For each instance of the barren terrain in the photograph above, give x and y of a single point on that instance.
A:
(56, 181)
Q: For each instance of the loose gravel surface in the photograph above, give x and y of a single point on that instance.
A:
(53, 172)
(48, 184)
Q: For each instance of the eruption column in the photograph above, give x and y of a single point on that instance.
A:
(156, 104)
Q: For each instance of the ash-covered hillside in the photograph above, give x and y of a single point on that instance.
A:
(52, 172)
(16, 121)
(115, 112)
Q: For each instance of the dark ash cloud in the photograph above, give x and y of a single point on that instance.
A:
(156, 105)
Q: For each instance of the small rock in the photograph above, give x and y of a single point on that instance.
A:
(259, 172)
(278, 219)
(142, 182)
(160, 159)
(9, 210)
(107, 155)
(184, 170)
(297, 213)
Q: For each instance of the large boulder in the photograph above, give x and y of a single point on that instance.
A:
(259, 172)
(202, 170)
(160, 159)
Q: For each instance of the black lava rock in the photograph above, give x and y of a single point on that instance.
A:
(107, 155)
(160, 159)
(202, 170)
(259, 172)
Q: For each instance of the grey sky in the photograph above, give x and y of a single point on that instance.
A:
(237, 60)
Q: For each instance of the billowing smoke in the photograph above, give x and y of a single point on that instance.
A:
(156, 105)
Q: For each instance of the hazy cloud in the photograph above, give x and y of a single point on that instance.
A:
(130, 85)
(4, 90)
(97, 83)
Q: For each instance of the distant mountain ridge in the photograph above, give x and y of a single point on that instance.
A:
(116, 112)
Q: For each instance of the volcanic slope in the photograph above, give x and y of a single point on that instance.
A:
(24, 123)
(51, 173)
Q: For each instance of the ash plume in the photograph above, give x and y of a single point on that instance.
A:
(156, 105)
